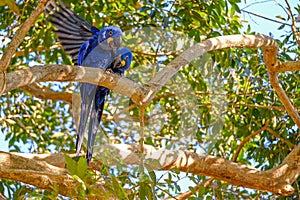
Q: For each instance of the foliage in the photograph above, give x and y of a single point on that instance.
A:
(212, 105)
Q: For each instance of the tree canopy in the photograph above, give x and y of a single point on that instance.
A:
(216, 107)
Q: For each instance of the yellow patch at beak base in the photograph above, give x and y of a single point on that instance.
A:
(123, 63)
(109, 40)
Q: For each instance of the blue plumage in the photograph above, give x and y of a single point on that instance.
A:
(89, 46)
(96, 52)
(121, 62)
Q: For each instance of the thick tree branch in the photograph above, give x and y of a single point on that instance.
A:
(241, 41)
(36, 172)
(277, 180)
(143, 95)
(23, 77)
(288, 66)
(46, 93)
(273, 66)
(20, 34)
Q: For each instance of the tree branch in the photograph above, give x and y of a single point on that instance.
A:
(20, 34)
(273, 66)
(291, 145)
(39, 48)
(221, 42)
(247, 139)
(23, 77)
(46, 93)
(43, 171)
(143, 95)
(294, 27)
(288, 66)
(272, 20)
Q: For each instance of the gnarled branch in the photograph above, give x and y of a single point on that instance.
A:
(277, 180)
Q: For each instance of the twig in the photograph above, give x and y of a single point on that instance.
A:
(39, 48)
(46, 93)
(272, 20)
(20, 34)
(291, 145)
(154, 54)
(247, 139)
(190, 193)
(142, 112)
(58, 45)
(293, 23)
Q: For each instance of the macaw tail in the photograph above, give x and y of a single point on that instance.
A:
(95, 118)
(88, 92)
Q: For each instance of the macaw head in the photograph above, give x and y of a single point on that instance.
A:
(110, 37)
(122, 60)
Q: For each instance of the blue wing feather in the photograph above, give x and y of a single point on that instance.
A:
(88, 46)
(95, 118)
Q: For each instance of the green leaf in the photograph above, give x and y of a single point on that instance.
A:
(82, 167)
(71, 165)
(11, 4)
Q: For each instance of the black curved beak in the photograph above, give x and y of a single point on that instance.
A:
(118, 41)
(115, 42)
(118, 62)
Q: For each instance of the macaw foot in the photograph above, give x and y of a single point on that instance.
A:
(108, 71)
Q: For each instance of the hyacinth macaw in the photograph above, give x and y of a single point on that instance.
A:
(121, 62)
(88, 46)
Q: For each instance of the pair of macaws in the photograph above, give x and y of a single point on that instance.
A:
(89, 46)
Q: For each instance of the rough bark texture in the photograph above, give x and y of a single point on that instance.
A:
(44, 171)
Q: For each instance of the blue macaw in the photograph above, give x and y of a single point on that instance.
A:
(89, 46)
(121, 62)
(96, 52)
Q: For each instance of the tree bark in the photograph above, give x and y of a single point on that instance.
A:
(44, 171)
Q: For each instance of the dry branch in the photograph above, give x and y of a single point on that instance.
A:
(247, 139)
(21, 33)
(277, 180)
(23, 77)
(294, 26)
(46, 93)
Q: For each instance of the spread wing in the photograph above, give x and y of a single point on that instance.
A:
(71, 29)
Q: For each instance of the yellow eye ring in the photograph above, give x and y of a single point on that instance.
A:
(126, 57)
(110, 33)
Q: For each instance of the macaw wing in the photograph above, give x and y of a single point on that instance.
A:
(95, 118)
(72, 30)
(92, 96)
(88, 92)
(95, 56)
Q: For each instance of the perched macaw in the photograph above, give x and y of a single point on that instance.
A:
(89, 46)
(96, 52)
(121, 62)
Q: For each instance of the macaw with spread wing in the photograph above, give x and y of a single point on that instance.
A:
(88, 46)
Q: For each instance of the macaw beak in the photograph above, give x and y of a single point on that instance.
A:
(118, 59)
(114, 42)
(123, 63)
(109, 40)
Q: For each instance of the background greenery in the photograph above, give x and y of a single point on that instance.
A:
(212, 105)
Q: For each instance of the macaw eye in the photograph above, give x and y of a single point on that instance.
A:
(126, 57)
(110, 33)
